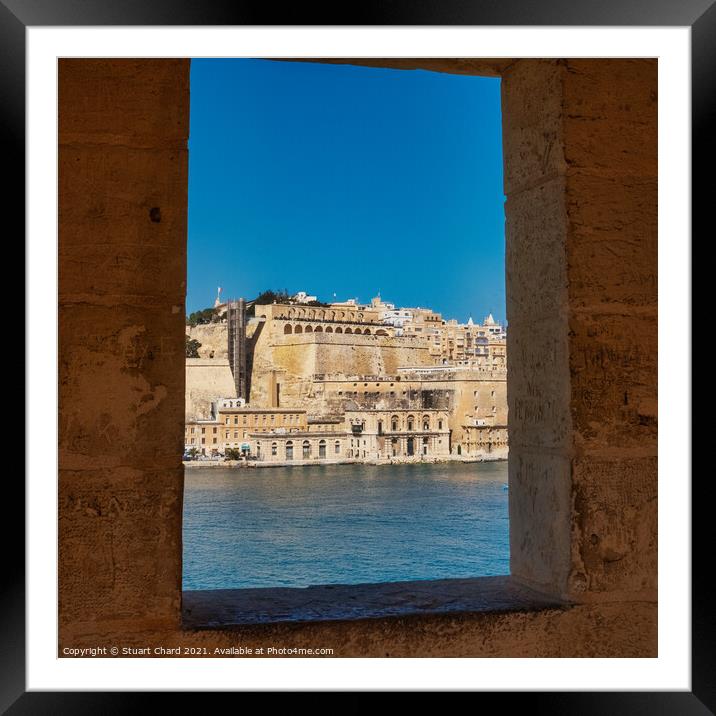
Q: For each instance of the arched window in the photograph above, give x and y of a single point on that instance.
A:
(319, 329)
(322, 449)
(289, 449)
(309, 329)
(380, 427)
(298, 329)
(339, 330)
(394, 423)
(287, 329)
(440, 424)
(329, 330)
(348, 330)
(337, 448)
(411, 419)
(306, 449)
(426, 422)
(366, 332)
(274, 448)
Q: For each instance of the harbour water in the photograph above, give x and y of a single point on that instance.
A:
(344, 524)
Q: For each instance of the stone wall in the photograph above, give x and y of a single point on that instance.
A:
(580, 177)
(213, 337)
(581, 170)
(295, 359)
(123, 128)
(207, 379)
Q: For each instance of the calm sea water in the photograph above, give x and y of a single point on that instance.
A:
(344, 524)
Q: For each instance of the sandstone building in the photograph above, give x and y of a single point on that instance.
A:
(345, 358)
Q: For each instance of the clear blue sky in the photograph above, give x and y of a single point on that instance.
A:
(347, 180)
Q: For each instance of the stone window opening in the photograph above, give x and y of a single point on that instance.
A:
(539, 194)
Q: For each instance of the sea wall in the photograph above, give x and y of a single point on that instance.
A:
(206, 380)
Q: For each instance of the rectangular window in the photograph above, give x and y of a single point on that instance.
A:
(262, 491)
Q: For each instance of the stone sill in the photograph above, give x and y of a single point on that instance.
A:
(226, 608)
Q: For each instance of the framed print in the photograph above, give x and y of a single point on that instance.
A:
(440, 439)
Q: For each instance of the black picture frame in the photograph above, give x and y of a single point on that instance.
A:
(700, 15)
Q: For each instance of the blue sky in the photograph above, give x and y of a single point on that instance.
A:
(346, 180)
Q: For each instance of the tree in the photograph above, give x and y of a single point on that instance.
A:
(192, 347)
(206, 315)
(232, 454)
(266, 297)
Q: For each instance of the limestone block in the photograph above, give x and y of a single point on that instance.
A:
(613, 366)
(121, 397)
(115, 100)
(532, 123)
(611, 116)
(614, 529)
(120, 547)
(540, 510)
(535, 257)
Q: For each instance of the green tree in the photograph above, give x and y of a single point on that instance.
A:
(270, 296)
(192, 347)
(232, 454)
(206, 315)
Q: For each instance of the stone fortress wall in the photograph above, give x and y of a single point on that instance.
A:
(206, 379)
(327, 361)
(213, 338)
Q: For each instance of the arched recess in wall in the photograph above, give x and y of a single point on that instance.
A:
(287, 329)
(298, 329)
(319, 329)
(339, 330)
(348, 330)
(309, 329)
(329, 330)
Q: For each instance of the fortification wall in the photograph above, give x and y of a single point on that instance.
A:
(292, 361)
(206, 380)
(213, 338)
(316, 353)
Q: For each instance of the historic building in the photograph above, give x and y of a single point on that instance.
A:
(311, 369)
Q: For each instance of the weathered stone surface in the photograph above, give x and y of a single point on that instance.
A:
(532, 122)
(124, 101)
(540, 517)
(610, 117)
(580, 177)
(122, 280)
(206, 380)
(120, 532)
(615, 527)
(621, 629)
(614, 371)
(118, 390)
(337, 602)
